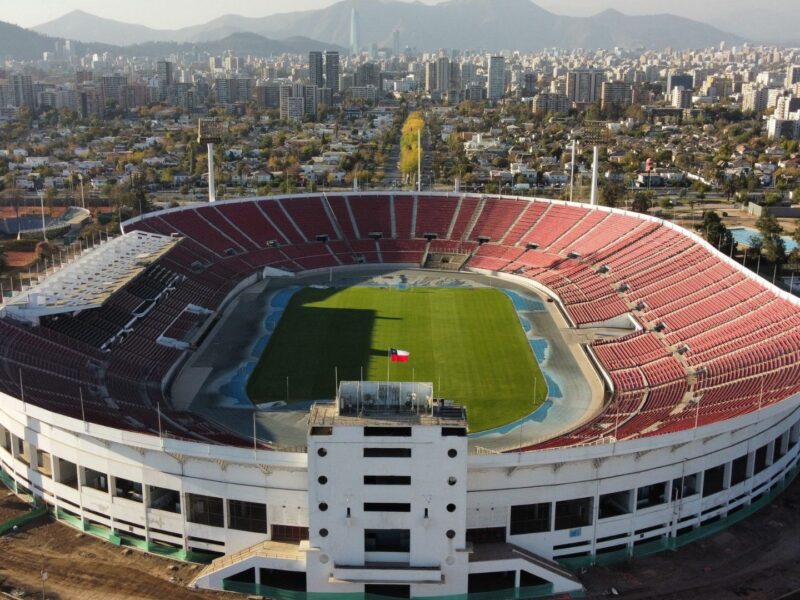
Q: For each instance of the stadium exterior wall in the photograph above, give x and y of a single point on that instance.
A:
(35, 444)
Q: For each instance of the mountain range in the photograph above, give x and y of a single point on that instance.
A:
(489, 25)
(24, 44)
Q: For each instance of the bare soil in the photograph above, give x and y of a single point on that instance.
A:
(11, 507)
(82, 567)
(756, 559)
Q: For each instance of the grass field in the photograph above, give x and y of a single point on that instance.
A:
(468, 342)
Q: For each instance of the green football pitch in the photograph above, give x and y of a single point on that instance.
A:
(468, 342)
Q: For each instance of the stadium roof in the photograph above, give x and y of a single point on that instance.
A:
(89, 281)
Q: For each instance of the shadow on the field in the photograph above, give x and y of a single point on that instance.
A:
(309, 346)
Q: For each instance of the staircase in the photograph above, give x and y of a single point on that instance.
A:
(264, 553)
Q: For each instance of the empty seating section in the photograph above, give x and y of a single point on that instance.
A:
(253, 222)
(559, 220)
(275, 213)
(496, 218)
(372, 215)
(403, 214)
(310, 216)
(529, 217)
(434, 215)
(464, 215)
(230, 229)
(341, 210)
(713, 342)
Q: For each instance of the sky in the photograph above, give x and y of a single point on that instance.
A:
(764, 19)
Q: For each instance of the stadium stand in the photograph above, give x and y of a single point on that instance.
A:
(712, 341)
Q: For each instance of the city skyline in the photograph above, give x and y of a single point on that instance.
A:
(740, 17)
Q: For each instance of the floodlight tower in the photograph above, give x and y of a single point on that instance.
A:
(596, 133)
(209, 132)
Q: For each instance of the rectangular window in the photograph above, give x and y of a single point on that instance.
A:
(67, 473)
(714, 480)
(387, 507)
(164, 499)
(530, 518)
(614, 504)
(125, 488)
(486, 535)
(454, 431)
(288, 533)
(387, 480)
(205, 510)
(247, 516)
(95, 479)
(739, 470)
(387, 540)
(683, 487)
(571, 514)
(761, 460)
(387, 431)
(651, 495)
(387, 452)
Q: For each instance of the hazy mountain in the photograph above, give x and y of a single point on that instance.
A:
(23, 44)
(17, 42)
(240, 43)
(477, 24)
(79, 25)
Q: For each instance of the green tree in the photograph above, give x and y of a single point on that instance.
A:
(642, 202)
(611, 194)
(772, 244)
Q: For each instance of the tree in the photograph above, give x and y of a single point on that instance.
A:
(772, 243)
(716, 233)
(611, 194)
(642, 202)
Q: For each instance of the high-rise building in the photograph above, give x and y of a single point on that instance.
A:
(332, 70)
(528, 86)
(111, 87)
(496, 82)
(165, 70)
(615, 92)
(551, 102)
(269, 95)
(368, 74)
(396, 42)
(786, 105)
(754, 97)
(679, 79)
(22, 86)
(316, 72)
(681, 97)
(584, 85)
(354, 41)
(430, 76)
(792, 75)
(310, 96)
(442, 74)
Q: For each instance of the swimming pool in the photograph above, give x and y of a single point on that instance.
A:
(742, 235)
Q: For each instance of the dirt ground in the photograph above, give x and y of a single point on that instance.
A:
(756, 559)
(81, 567)
(11, 506)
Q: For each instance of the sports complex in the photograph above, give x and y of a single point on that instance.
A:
(583, 386)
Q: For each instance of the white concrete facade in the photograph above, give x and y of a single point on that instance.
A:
(723, 466)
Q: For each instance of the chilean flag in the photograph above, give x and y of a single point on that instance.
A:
(399, 355)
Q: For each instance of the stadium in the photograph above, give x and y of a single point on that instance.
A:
(583, 385)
